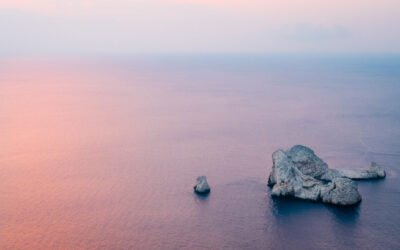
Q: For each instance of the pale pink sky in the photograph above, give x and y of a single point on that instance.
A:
(239, 26)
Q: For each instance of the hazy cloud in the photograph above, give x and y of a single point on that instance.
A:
(309, 32)
(136, 26)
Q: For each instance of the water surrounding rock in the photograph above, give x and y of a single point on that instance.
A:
(300, 173)
(202, 186)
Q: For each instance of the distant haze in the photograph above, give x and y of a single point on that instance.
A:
(47, 27)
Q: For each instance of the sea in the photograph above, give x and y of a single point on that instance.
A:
(102, 152)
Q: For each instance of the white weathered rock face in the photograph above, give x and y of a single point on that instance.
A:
(202, 186)
(287, 180)
(298, 172)
(341, 191)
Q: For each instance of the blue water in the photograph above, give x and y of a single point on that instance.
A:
(102, 153)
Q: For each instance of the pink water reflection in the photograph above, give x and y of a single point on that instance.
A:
(101, 155)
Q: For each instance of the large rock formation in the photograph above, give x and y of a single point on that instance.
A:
(298, 172)
(202, 186)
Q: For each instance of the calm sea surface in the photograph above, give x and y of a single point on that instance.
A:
(103, 153)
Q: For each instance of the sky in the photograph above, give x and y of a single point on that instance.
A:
(42, 27)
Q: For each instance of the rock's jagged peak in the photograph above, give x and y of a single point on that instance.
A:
(307, 161)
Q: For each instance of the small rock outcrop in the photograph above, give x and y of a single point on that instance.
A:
(202, 186)
(375, 171)
(300, 173)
